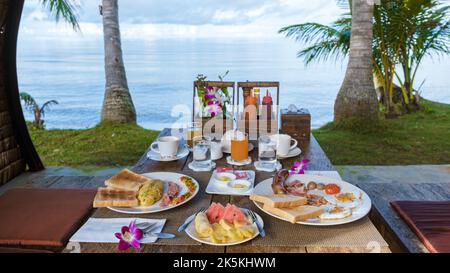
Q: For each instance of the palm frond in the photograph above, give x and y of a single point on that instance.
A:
(323, 42)
(47, 105)
(66, 9)
(29, 102)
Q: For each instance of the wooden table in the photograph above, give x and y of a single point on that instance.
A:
(278, 232)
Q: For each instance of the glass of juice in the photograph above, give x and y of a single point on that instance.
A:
(194, 129)
(239, 146)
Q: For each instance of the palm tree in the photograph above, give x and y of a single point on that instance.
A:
(35, 109)
(405, 31)
(357, 98)
(117, 104)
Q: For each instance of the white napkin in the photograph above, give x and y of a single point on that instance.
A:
(102, 230)
(331, 174)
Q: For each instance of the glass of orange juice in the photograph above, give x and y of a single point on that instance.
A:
(194, 129)
(239, 146)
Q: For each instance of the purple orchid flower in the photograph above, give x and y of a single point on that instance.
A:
(210, 93)
(209, 96)
(129, 237)
(213, 108)
(299, 167)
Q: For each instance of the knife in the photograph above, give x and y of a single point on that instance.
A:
(187, 223)
(189, 220)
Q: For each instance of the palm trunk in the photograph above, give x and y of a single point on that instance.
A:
(357, 97)
(117, 104)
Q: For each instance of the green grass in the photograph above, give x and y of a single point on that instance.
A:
(106, 145)
(418, 138)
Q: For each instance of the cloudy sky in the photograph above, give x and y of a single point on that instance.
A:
(186, 18)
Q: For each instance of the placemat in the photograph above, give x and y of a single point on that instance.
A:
(429, 220)
(360, 234)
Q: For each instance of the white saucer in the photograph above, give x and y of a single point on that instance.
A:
(258, 167)
(292, 153)
(182, 152)
(241, 163)
(228, 150)
(213, 166)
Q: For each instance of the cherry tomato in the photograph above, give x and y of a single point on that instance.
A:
(332, 189)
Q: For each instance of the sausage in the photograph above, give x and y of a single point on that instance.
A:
(278, 182)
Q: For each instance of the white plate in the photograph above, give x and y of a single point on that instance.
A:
(265, 187)
(292, 153)
(166, 177)
(215, 187)
(228, 151)
(182, 152)
(191, 232)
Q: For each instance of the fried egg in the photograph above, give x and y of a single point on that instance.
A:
(335, 213)
(348, 200)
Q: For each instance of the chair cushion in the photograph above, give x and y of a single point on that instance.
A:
(43, 217)
(22, 250)
(429, 220)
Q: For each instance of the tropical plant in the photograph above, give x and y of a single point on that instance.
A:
(426, 25)
(37, 110)
(117, 104)
(404, 32)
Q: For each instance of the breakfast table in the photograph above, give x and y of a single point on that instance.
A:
(281, 236)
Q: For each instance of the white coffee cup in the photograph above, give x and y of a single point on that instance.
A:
(167, 146)
(285, 143)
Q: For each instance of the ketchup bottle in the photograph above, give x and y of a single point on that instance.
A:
(267, 105)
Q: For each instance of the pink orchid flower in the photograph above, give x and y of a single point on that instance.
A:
(129, 237)
(213, 108)
(210, 93)
(298, 167)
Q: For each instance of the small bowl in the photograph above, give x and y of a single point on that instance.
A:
(245, 185)
(224, 178)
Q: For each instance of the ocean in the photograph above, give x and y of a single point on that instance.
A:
(160, 75)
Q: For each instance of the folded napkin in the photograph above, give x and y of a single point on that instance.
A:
(331, 174)
(102, 230)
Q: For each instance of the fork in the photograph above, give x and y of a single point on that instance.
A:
(189, 220)
(258, 224)
(145, 226)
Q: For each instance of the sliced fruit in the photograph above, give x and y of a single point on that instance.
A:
(233, 213)
(225, 225)
(215, 213)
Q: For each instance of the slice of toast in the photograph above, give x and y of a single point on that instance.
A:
(295, 214)
(279, 200)
(115, 198)
(126, 180)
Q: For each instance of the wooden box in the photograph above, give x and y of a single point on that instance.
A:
(297, 124)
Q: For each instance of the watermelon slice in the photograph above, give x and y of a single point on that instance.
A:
(233, 213)
(215, 213)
